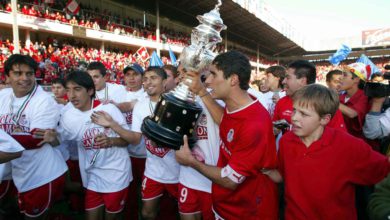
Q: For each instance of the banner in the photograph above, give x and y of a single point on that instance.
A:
(340, 55)
(378, 37)
(143, 54)
(73, 6)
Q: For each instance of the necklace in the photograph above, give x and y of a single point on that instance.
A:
(151, 108)
(16, 118)
(105, 94)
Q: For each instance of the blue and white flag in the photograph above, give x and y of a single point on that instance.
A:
(340, 55)
(155, 60)
(173, 57)
(364, 59)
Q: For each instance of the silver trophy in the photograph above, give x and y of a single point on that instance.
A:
(176, 113)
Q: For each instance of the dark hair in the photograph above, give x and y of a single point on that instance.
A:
(172, 68)
(234, 62)
(58, 81)
(83, 79)
(361, 84)
(158, 70)
(19, 59)
(277, 71)
(331, 73)
(97, 66)
(304, 68)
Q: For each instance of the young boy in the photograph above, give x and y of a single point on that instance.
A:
(320, 165)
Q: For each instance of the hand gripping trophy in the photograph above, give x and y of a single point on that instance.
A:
(176, 113)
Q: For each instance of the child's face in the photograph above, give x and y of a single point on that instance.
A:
(306, 122)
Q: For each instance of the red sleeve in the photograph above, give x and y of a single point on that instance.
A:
(255, 150)
(368, 166)
(27, 141)
(337, 121)
(276, 116)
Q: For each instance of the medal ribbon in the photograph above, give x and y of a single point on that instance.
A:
(16, 118)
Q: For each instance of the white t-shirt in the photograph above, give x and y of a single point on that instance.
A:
(112, 92)
(8, 145)
(206, 149)
(138, 151)
(111, 171)
(35, 167)
(161, 164)
(266, 98)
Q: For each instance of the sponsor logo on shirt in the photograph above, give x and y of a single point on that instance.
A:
(128, 117)
(230, 135)
(224, 148)
(201, 129)
(7, 125)
(89, 136)
(155, 150)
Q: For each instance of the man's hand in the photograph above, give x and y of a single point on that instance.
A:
(47, 135)
(194, 83)
(102, 118)
(103, 141)
(184, 155)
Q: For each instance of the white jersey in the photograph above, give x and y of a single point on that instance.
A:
(112, 92)
(206, 150)
(35, 167)
(266, 98)
(8, 145)
(138, 150)
(160, 164)
(102, 170)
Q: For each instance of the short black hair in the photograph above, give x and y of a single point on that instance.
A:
(58, 81)
(83, 79)
(158, 70)
(277, 71)
(19, 59)
(234, 62)
(172, 68)
(304, 68)
(97, 66)
(331, 73)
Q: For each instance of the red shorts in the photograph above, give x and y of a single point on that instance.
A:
(7, 188)
(74, 170)
(152, 189)
(192, 201)
(35, 202)
(113, 201)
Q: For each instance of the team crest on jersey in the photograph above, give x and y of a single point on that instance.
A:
(129, 117)
(230, 135)
(8, 126)
(155, 150)
(201, 129)
(90, 135)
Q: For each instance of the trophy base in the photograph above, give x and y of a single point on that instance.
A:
(163, 136)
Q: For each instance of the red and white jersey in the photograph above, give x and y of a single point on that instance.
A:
(112, 92)
(102, 170)
(35, 167)
(8, 145)
(139, 150)
(247, 146)
(160, 164)
(206, 150)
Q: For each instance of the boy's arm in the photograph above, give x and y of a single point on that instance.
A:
(273, 174)
(7, 156)
(349, 112)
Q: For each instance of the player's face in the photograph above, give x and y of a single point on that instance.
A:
(98, 79)
(271, 81)
(217, 83)
(133, 80)
(291, 82)
(153, 84)
(306, 123)
(181, 71)
(79, 96)
(335, 82)
(22, 79)
(58, 90)
(171, 81)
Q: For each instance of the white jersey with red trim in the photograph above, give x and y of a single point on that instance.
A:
(112, 92)
(35, 167)
(138, 150)
(206, 150)
(160, 164)
(102, 170)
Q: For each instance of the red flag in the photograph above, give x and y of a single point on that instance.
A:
(73, 6)
(143, 54)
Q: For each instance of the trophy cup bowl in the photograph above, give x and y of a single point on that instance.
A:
(176, 113)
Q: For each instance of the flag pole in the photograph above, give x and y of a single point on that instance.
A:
(15, 30)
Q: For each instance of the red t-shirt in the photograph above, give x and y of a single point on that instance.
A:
(359, 103)
(247, 146)
(320, 179)
(284, 109)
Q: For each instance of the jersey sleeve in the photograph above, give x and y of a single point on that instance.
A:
(8, 144)
(256, 150)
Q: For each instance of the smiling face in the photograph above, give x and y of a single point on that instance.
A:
(292, 83)
(21, 77)
(153, 84)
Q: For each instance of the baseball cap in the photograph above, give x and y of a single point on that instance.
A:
(134, 66)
